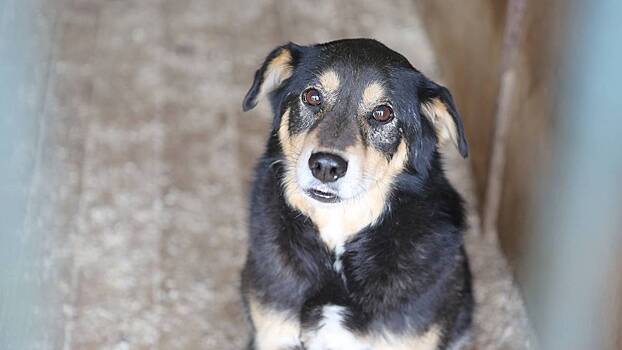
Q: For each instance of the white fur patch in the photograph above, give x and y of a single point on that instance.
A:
(333, 234)
(331, 334)
(338, 251)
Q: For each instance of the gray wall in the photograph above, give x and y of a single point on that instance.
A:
(24, 49)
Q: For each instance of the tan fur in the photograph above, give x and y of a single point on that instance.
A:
(274, 330)
(426, 341)
(330, 81)
(372, 96)
(444, 124)
(292, 147)
(278, 70)
(351, 215)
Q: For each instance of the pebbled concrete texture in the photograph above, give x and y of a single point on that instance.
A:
(156, 156)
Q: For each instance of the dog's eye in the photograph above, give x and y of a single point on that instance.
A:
(382, 113)
(312, 97)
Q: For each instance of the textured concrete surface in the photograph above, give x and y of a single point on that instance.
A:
(155, 160)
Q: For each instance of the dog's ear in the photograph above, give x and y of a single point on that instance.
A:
(438, 106)
(276, 68)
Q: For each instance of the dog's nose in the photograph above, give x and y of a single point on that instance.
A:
(327, 167)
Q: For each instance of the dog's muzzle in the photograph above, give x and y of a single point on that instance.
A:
(327, 168)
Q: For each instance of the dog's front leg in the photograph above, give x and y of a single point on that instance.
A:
(273, 329)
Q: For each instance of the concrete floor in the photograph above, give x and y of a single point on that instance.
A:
(156, 157)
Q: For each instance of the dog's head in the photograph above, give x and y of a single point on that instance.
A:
(350, 115)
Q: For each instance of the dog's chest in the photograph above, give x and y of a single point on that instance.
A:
(336, 227)
(334, 235)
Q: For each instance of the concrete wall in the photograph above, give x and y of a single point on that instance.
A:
(468, 37)
(25, 37)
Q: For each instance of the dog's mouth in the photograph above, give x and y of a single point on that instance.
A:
(323, 196)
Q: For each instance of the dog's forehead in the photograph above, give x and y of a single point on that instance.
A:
(359, 81)
(359, 67)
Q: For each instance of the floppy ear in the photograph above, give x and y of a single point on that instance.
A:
(277, 68)
(438, 106)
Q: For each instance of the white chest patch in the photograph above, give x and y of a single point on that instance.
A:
(333, 233)
(334, 237)
(337, 265)
(331, 334)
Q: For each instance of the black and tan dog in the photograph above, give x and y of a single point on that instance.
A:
(356, 236)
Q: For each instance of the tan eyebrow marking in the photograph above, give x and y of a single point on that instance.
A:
(330, 81)
(372, 95)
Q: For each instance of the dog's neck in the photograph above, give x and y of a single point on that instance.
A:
(338, 222)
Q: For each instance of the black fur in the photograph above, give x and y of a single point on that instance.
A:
(405, 273)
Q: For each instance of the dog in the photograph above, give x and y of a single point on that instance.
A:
(356, 235)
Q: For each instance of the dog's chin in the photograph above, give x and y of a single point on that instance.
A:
(323, 196)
